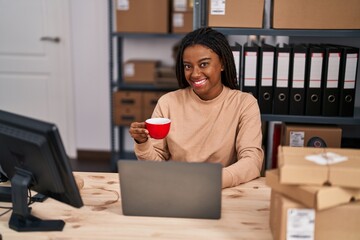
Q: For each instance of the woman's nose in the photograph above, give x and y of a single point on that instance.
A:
(196, 72)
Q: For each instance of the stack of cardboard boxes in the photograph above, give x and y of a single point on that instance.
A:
(315, 194)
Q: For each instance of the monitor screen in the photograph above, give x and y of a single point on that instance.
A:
(33, 157)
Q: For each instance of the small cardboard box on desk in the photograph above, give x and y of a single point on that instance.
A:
(302, 206)
(319, 166)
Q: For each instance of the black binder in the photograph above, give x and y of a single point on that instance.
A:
(266, 81)
(314, 80)
(250, 80)
(331, 92)
(281, 79)
(347, 79)
(236, 50)
(297, 80)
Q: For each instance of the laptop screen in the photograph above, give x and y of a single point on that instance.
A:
(170, 189)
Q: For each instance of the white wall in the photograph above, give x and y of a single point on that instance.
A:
(91, 74)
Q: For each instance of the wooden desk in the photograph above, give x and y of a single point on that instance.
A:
(245, 215)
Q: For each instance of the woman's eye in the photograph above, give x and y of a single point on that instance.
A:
(187, 66)
(204, 64)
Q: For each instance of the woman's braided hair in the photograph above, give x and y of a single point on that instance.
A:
(215, 41)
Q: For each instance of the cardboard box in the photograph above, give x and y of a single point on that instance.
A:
(236, 13)
(127, 107)
(297, 135)
(316, 14)
(167, 77)
(291, 219)
(131, 106)
(319, 166)
(140, 71)
(182, 22)
(317, 197)
(149, 102)
(139, 16)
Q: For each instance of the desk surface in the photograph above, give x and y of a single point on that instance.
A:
(245, 215)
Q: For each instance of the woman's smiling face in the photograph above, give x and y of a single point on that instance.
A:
(202, 69)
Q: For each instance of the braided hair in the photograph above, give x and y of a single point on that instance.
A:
(215, 41)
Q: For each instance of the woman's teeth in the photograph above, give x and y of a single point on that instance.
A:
(201, 82)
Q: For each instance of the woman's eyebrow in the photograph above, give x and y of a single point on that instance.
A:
(200, 60)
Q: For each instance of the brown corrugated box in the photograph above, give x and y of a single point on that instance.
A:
(139, 16)
(149, 102)
(236, 13)
(127, 107)
(166, 77)
(302, 135)
(182, 22)
(317, 197)
(140, 71)
(316, 14)
(295, 168)
(337, 223)
(134, 106)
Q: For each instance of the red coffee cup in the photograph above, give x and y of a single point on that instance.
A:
(158, 127)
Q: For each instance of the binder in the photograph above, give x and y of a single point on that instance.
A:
(250, 81)
(297, 80)
(236, 50)
(314, 80)
(347, 79)
(272, 143)
(281, 79)
(265, 75)
(331, 73)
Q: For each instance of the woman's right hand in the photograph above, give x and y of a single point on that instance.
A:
(138, 132)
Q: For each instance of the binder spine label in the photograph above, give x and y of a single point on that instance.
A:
(267, 69)
(299, 70)
(283, 70)
(333, 70)
(250, 66)
(350, 71)
(315, 72)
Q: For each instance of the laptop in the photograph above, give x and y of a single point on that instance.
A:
(170, 189)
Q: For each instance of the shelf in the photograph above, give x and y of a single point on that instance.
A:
(147, 35)
(143, 87)
(315, 119)
(290, 32)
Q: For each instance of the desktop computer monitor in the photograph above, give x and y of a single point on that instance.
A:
(33, 157)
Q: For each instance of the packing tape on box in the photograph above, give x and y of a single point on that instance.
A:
(328, 159)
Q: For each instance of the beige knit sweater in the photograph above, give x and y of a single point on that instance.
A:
(224, 130)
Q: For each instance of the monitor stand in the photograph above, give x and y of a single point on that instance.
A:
(21, 220)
